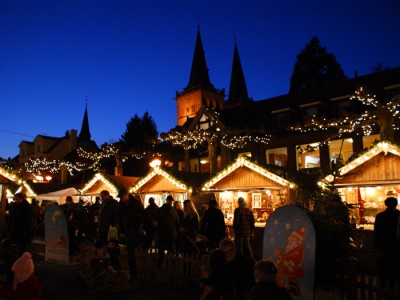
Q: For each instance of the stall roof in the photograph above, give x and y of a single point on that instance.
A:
(59, 196)
(6, 176)
(159, 180)
(112, 182)
(388, 173)
(242, 163)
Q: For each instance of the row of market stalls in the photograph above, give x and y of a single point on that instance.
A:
(364, 183)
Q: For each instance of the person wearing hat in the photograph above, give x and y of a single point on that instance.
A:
(265, 272)
(26, 285)
(132, 217)
(167, 226)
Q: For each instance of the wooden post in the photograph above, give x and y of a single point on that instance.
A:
(3, 204)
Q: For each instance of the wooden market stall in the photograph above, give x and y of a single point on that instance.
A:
(111, 183)
(159, 183)
(366, 181)
(263, 190)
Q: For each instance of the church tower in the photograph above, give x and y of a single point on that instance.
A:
(238, 90)
(85, 135)
(199, 90)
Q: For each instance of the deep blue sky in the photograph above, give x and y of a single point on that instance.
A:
(129, 57)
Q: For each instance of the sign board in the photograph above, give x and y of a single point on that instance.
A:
(56, 234)
(289, 241)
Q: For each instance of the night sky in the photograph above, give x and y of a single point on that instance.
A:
(130, 57)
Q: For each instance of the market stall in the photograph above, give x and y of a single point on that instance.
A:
(111, 183)
(159, 183)
(366, 181)
(263, 190)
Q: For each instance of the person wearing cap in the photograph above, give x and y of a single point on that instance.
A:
(108, 214)
(132, 217)
(26, 285)
(265, 272)
(20, 225)
(167, 226)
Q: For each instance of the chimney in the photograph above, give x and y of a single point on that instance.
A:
(73, 141)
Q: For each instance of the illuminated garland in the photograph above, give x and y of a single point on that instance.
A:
(194, 138)
(240, 162)
(363, 123)
(92, 161)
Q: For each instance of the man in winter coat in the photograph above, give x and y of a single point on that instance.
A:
(108, 214)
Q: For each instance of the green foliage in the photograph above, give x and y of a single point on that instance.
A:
(315, 68)
(140, 133)
(333, 232)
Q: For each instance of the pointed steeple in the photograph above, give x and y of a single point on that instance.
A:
(238, 89)
(85, 135)
(199, 73)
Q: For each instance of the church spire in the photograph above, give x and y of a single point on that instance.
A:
(199, 73)
(238, 89)
(85, 135)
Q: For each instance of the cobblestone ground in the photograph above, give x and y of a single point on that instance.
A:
(64, 282)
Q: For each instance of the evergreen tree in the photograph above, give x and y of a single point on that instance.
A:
(315, 68)
(140, 133)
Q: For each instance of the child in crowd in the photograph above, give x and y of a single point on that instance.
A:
(266, 287)
(26, 285)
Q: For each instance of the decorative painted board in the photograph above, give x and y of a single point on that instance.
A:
(56, 234)
(289, 241)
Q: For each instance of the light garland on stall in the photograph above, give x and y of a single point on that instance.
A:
(384, 147)
(96, 178)
(240, 162)
(158, 171)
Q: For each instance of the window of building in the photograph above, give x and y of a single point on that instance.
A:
(343, 108)
(204, 123)
(340, 151)
(370, 139)
(194, 165)
(282, 121)
(309, 112)
(307, 156)
(181, 166)
(277, 156)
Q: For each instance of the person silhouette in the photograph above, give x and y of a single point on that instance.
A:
(387, 239)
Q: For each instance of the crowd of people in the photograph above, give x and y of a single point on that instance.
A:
(233, 272)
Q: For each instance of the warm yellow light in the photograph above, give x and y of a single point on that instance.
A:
(48, 178)
(155, 163)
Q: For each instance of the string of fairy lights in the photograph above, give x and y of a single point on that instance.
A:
(361, 124)
(91, 160)
(364, 123)
(194, 138)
